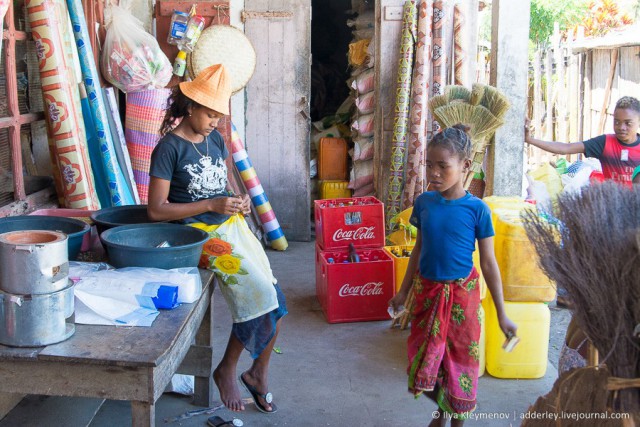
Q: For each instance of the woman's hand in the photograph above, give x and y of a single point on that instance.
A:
(527, 129)
(508, 327)
(398, 300)
(246, 204)
(227, 205)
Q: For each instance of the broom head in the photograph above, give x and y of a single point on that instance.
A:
(454, 113)
(495, 101)
(455, 92)
(477, 92)
(483, 123)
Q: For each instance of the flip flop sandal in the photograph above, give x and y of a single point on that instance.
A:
(216, 421)
(268, 397)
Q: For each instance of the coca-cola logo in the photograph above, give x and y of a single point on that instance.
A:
(362, 233)
(368, 289)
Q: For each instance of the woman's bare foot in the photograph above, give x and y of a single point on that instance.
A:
(259, 385)
(228, 388)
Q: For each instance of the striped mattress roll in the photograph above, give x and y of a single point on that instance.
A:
(145, 112)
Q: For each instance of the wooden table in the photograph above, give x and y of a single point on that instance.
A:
(122, 363)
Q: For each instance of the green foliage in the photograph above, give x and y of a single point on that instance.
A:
(544, 13)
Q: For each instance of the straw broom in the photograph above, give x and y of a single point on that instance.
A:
(457, 92)
(495, 101)
(597, 260)
(435, 102)
(477, 92)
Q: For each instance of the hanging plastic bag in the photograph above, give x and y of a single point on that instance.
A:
(131, 58)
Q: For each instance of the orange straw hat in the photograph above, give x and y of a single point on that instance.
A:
(211, 88)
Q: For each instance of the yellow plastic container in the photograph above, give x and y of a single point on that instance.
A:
(401, 237)
(400, 263)
(476, 263)
(483, 341)
(502, 202)
(331, 189)
(522, 278)
(529, 358)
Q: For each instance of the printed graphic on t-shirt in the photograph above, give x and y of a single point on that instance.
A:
(207, 178)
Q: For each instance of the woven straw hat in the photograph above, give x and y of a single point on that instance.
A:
(211, 88)
(224, 44)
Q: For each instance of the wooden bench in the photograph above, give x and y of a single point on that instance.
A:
(122, 363)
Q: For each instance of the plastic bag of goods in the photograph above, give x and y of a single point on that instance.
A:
(364, 125)
(366, 103)
(364, 81)
(550, 177)
(361, 174)
(362, 149)
(131, 58)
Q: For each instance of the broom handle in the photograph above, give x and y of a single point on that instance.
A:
(593, 356)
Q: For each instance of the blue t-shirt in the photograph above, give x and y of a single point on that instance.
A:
(196, 171)
(449, 231)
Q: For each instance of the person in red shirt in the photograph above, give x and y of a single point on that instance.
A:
(619, 154)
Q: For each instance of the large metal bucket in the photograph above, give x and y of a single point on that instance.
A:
(33, 262)
(36, 320)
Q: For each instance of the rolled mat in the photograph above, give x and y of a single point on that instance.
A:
(259, 199)
(438, 60)
(459, 48)
(119, 192)
(61, 114)
(416, 139)
(144, 115)
(401, 119)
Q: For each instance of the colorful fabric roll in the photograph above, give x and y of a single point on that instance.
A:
(438, 61)
(4, 6)
(459, 56)
(119, 142)
(119, 192)
(145, 112)
(259, 199)
(61, 112)
(401, 119)
(415, 169)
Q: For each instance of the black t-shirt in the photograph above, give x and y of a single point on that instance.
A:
(194, 174)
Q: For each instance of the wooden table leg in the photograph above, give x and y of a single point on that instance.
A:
(143, 414)
(203, 386)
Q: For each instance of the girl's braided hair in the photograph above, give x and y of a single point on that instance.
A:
(455, 138)
(178, 106)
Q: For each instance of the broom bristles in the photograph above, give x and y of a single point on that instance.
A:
(434, 103)
(454, 113)
(455, 92)
(477, 92)
(597, 260)
(495, 101)
(483, 123)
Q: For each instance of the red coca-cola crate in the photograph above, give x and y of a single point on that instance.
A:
(354, 292)
(357, 220)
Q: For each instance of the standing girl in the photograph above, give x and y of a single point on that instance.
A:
(188, 170)
(443, 346)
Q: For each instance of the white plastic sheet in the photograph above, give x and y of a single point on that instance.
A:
(125, 296)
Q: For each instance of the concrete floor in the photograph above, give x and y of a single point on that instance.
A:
(350, 374)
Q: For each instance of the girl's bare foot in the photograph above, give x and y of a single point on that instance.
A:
(228, 388)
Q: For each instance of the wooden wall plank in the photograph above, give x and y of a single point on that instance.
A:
(277, 115)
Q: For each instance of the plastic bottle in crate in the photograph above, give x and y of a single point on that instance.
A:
(353, 255)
